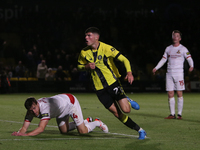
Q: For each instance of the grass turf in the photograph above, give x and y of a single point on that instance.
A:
(162, 134)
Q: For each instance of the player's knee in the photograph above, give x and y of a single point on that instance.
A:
(63, 132)
(171, 94)
(83, 131)
(116, 115)
(127, 111)
(126, 108)
(119, 116)
(179, 93)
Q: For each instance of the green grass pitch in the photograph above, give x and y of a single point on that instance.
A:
(162, 134)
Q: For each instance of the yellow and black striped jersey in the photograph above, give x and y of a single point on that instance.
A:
(105, 72)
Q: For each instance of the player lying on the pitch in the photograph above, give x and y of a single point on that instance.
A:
(60, 106)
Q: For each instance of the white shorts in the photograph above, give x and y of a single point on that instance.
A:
(175, 82)
(75, 113)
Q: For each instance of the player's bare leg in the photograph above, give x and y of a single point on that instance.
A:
(124, 105)
(171, 101)
(82, 129)
(131, 102)
(170, 94)
(114, 109)
(64, 126)
(180, 104)
(179, 93)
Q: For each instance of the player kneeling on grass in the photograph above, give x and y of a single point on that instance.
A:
(60, 106)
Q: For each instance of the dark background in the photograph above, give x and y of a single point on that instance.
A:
(140, 29)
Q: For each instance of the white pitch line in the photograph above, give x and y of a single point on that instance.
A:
(22, 123)
(57, 127)
(123, 134)
(46, 139)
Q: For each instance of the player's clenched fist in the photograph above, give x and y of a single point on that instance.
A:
(90, 66)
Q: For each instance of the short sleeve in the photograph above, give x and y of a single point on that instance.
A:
(112, 52)
(28, 117)
(44, 109)
(45, 113)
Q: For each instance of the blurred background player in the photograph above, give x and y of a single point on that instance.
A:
(98, 58)
(61, 107)
(176, 55)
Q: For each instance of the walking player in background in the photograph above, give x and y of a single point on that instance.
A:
(176, 55)
(98, 57)
(61, 107)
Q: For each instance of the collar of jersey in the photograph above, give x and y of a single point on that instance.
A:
(95, 50)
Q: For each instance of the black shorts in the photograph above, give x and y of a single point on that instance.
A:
(110, 94)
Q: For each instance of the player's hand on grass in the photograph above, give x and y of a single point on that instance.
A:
(154, 71)
(129, 77)
(18, 134)
(90, 66)
(191, 69)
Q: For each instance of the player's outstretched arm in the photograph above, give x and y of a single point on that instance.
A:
(22, 130)
(37, 131)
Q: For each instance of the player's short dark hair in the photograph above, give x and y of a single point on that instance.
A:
(177, 31)
(93, 30)
(29, 102)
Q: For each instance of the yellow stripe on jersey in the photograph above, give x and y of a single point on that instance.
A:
(105, 72)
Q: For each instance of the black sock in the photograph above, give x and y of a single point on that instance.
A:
(130, 123)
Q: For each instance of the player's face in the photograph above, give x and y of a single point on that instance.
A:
(91, 38)
(35, 110)
(176, 38)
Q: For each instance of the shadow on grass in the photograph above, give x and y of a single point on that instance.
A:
(142, 145)
(75, 134)
(55, 135)
(190, 120)
(162, 117)
(149, 115)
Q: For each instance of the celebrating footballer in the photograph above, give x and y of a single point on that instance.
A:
(98, 57)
